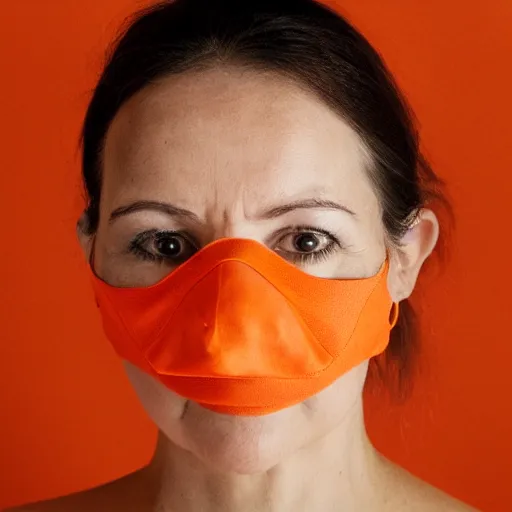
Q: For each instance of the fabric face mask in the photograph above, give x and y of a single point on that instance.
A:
(241, 331)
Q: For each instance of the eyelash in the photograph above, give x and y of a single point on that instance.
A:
(136, 246)
(312, 257)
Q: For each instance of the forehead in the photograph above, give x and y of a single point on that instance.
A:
(231, 132)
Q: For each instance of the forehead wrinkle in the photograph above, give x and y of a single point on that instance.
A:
(211, 164)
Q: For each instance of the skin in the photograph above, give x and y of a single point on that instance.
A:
(229, 145)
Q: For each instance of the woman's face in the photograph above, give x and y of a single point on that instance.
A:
(232, 153)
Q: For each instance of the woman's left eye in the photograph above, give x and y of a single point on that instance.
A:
(306, 246)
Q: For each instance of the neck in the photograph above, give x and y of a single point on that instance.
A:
(336, 472)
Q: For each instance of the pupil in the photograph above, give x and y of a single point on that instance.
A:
(306, 243)
(169, 246)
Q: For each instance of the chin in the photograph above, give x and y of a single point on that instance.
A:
(225, 443)
(244, 444)
(239, 444)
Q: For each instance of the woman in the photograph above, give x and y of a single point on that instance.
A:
(258, 214)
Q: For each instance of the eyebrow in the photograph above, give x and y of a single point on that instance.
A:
(272, 213)
(157, 206)
(306, 204)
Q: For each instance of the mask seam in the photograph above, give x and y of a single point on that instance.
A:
(159, 332)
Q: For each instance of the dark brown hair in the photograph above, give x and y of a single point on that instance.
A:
(307, 42)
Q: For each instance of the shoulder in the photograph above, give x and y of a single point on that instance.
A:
(127, 494)
(412, 493)
(425, 498)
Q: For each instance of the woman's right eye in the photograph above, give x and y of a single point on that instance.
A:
(162, 246)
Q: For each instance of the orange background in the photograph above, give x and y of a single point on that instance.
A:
(68, 417)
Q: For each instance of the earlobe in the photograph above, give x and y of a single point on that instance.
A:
(416, 246)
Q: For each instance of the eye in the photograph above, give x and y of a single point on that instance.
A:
(306, 245)
(162, 246)
(303, 242)
(307, 242)
(169, 246)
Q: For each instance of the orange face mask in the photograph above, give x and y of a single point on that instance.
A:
(241, 331)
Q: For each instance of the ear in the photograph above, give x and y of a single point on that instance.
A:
(415, 247)
(84, 238)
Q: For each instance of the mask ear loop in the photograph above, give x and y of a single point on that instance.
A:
(394, 314)
(395, 308)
